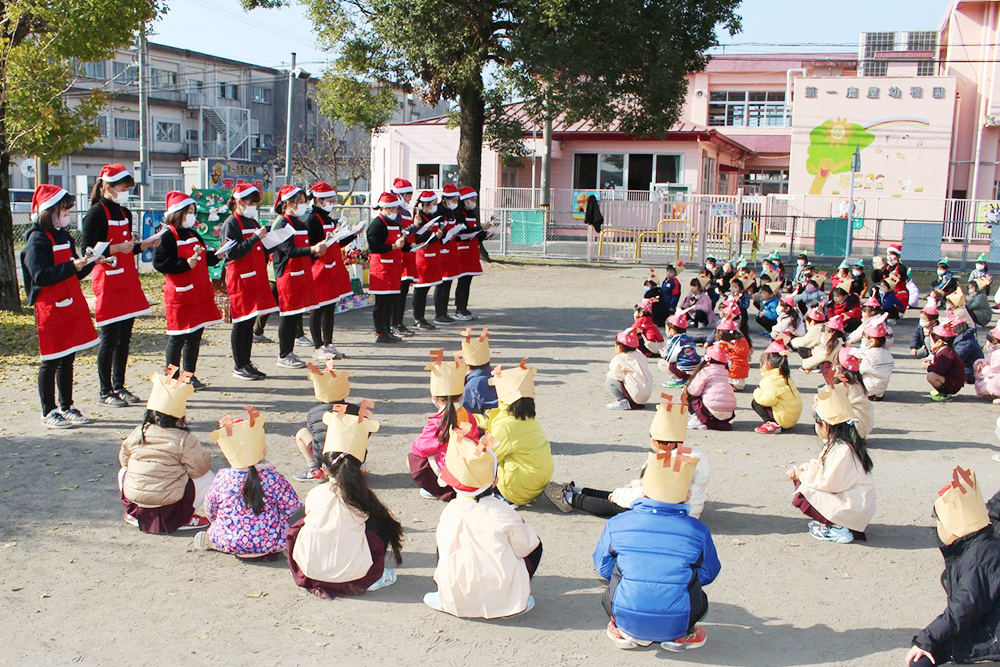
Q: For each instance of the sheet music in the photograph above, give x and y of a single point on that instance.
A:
(277, 237)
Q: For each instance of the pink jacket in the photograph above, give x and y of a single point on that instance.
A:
(712, 384)
(426, 444)
(702, 302)
(988, 375)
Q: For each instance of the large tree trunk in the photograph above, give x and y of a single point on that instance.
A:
(10, 298)
(472, 116)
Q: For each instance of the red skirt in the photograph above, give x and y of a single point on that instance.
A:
(329, 590)
(806, 508)
(166, 519)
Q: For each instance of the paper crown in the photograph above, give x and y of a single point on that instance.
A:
(669, 472)
(241, 440)
(836, 323)
(670, 421)
(983, 283)
(329, 385)
(844, 265)
(848, 359)
(628, 338)
(774, 285)
(891, 279)
(820, 277)
(982, 257)
(348, 434)
(816, 314)
(476, 349)
(833, 404)
(726, 324)
(957, 298)
(703, 280)
(959, 505)
(469, 465)
(514, 383)
(447, 377)
(170, 392)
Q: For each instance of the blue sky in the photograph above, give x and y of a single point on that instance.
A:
(267, 37)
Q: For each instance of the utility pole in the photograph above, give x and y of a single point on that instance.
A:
(288, 124)
(855, 168)
(547, 156)
(144, 157)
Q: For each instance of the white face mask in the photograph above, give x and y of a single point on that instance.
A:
(190, 220)
(391, 212)
(981, 267)
(250, 212)
(301, 210)
(801, 262)
(326, 204)
(61, 221)
(431, 210)
(121, 198)
(470, 203)
(452, 205)
(941, 272)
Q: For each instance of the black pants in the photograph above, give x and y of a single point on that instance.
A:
(765, 413)
(321, 325)
(462, 294)
(420, 302)
(597, 503)
(698, 317)
(52, 374)
(399, 307)
(288, 330)
(533, 559)
(112, 355)
(190, 345)
(261, 320)
(382, 312)
(241, 340)
(442, 295)
(765, 322)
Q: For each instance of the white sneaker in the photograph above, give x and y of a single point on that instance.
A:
(461, 317)
(56, 421)
(619, 405)
(332, 349)
(75, 417)
(201, 541)
(388, 578)
(290, 361)
(427, 495)
(305, 341)
(321, 354)
(433, 600)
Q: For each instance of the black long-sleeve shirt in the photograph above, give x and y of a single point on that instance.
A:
(232, 230)
(287, 250)
(166, 259)
(95, 224)
(315, 221)
(38, 267)
(378, 234)
(421, 220)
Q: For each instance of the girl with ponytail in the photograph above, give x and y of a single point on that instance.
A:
(776, 399)
(427, 451)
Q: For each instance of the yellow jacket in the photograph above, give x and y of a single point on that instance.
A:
(781, 395)
(524, 458)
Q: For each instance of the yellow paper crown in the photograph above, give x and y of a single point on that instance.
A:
(703, 280)
(669, 472)
(242, 440)
(670, 421)
(514, 383)
(470, 463)
(833, 404)
(957, 298)
(447, 377)
(476, 350)
(170, 392)
(959, 506)
(983, 283)
(775, 285)
(329, 385)
(348, 434)
(892, 279)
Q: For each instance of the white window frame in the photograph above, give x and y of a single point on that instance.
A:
(765, 110)
(129, 121)
(167, 121)
(656, 158)
(262, 94)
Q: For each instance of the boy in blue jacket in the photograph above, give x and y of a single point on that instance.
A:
(656, 558)
(670, 290)
(479, 395)
(767, 303)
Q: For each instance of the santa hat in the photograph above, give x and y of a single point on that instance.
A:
(288, 191)
(876, 330)
(427, 196)
(628, 338)
(401, 186)
(45, 197)
(470, 466)
(241, 440)
(329, 385)
(348, 434)
(112, 173)
(466, 192)
(896, 249)
(177, 201)
(726, 324)
(387, 200)
(959, 505)
(848, 359)
(669, 472)
(242, 190)
(476, 349)
(447, 377)
(670, 421)
(833, 404)
(170, 392)
(514, 383)
(836, 323)
(716, 353)
(816, 314)
(322, 189)
(450, 191)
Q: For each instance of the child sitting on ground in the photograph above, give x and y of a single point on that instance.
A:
(331, 387)
(889, 300)
(339, 547)
(427, 451)
(766, 301)
(877, 362)
(836, 490)
(487, 553)
(737, 348)
(654, 293)
(680, 357)
(847, 305)
(249, 503)
(921, 339)
(698, 304)
(776, 399)
(870, 309)
(656, 559)
(804, 344)
(847, 372)
(629, 381)
(811, 296)
(965, 631)
(650, 336)
(478, 395)
(711, 398)
(666, 429)
(988, 369)
(966, 345)
(945, 370)
(830, 342)
(789, 318)
(670, 291)
(523, 452)
(978, 303)
(165, 472)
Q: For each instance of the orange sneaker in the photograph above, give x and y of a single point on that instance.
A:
(696, 639)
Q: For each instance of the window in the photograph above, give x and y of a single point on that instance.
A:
(707, 175)
(261, 95)
(164, 183)
(926, 68)
(192, 135)
(668, 168)
(168, 131)
(124, 73)
(923, 40)
(268, 141)
(427, 176)
(634, 171)
(162, 79)
(611, 172)
(97, 70)
(449, 174)
(309, 104)
(766, 182)
(746, 108)
(102, 126)
(126, 128)
(229, 91)
(875, 42)
(585, 171)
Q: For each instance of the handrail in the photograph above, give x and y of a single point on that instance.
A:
(610, 230)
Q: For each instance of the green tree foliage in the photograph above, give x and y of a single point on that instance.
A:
(831, 150)
(40, 113)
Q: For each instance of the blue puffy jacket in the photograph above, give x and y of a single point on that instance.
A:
(656, 558)
(967, 347)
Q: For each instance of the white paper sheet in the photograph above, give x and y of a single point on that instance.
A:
(225, 247)
(157, 235)
(427, 227)
(344, 232)
(418, 247)
(452, 234)
(277, 237)
(97, 251)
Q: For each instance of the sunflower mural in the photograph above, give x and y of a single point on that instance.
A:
(831, 146)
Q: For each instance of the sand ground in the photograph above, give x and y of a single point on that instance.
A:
(79, 585)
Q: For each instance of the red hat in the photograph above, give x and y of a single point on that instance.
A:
(732, 310)
(816, 314)
(322, 189)
(876, 330)
(944, 331)
(848, 360)
(896, 249)
(648, 304)
(46, 196)
(777, 346)
(872, 302)
(427, 196)
(288, 191)
(177, 201)
(466, 192)
(996, 331)
(112, 173)
(726, 324)
(929, 309)
(628, 338)
(836, 323)
(401, 186)
(678, 321)
(716, 353)
(388, 199)
(244, 189)
(450, 190)
(788, 300)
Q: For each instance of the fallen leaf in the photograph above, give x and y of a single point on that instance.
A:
(258, 594)
(845, 575)
(45, 594)
(738, 542)
(69, 488)
(437, 631)
(720, 451)
(17, 588)
(8, 545)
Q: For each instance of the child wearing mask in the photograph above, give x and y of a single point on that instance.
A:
(650, 336)
(966, 345)
(776, 399)
(698, 304)
(981, 271)
(945, 369)
(987, 370)
(799, 274)
(629, 381)
(810, 296)
(920, 340)
(710, 396)
(889, 300)
(729, 338)
(946, 283)
(789, 318)
(870, 311)
(804, 344)
(830, 342)
(877, 362)
(859, 282)
(767, 301)
(680, 357)
(386, 245)
(978, 303)
(847, 305)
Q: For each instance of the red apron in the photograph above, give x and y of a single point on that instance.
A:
(247, 283)
(385, 270)
(330, 279)
(409, 258)
(427, 259)
(468, 251)
(448, 254)
(188, 298)
(119, 294)
(296, 293)
(61, 313)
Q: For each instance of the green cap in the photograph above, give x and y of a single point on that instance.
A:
(844, 265)
(981, 258)
(944, 260)
(860, 263)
